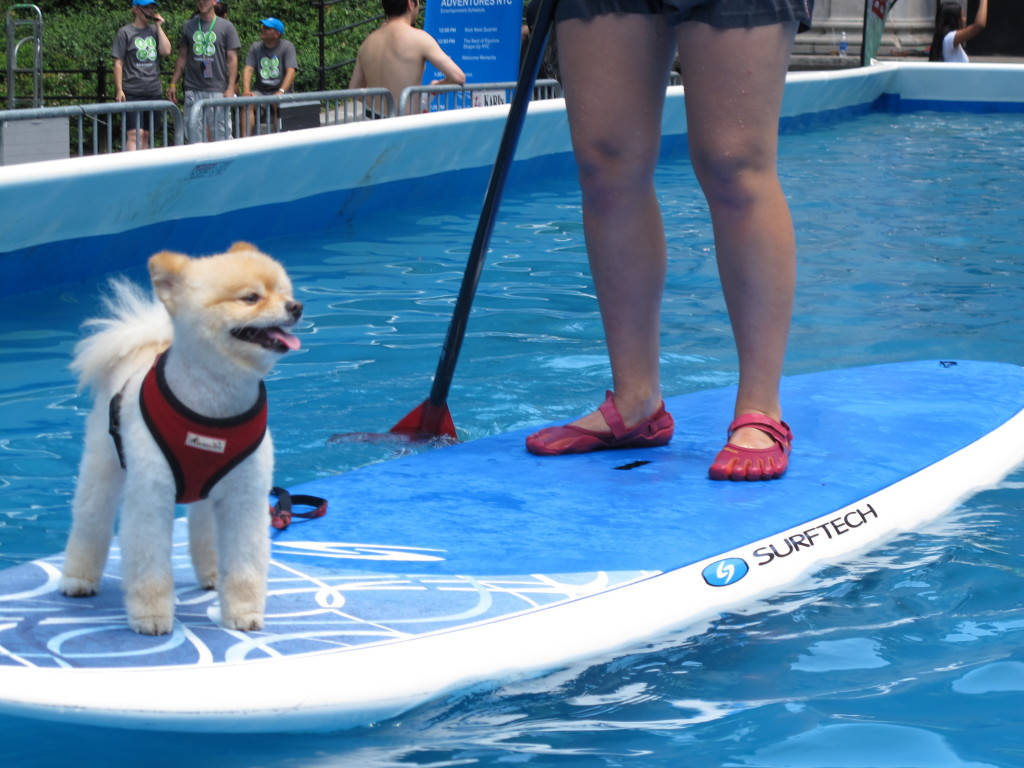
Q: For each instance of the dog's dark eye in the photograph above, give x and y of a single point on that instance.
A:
(251, 298)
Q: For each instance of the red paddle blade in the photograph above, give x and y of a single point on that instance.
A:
(427, 420)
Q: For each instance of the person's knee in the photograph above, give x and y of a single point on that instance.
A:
(734, 178)
(608, 171)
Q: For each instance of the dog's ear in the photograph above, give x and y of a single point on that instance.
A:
(241, 245)
(166, 270)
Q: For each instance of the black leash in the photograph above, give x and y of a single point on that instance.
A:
(281, 514)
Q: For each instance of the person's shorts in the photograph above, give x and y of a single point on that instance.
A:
(723, 14)
(218, 117)
(133, 120)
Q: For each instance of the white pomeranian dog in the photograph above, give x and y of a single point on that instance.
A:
(180, 416)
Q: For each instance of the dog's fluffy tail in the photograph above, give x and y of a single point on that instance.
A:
(135, 330)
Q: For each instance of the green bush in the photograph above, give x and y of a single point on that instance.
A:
(77, 35)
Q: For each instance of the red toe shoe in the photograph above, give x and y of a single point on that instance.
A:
(737, 463)
(556, 441)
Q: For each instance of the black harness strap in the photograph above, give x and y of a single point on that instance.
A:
(115, 426)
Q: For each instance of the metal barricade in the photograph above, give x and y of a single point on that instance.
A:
(372, 104)
(239, 116)
(235, 117)
(440, 98)
(95, 132)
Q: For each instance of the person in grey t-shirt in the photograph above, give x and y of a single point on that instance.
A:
(273, 63)
(137, 49)
(208, 61)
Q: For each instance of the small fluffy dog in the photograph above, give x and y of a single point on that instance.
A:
(180, 416)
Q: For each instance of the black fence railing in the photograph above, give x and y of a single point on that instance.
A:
(96, 85)
(324, 36)
(62, 87)
(56, 84)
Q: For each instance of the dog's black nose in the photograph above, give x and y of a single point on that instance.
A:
(294, 308)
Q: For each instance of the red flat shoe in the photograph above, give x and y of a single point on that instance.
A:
(737, 463)
(556, 441)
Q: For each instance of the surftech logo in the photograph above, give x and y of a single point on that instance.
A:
(722, 573)
(725, 572)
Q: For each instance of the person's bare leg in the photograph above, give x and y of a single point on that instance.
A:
(733, 81)
(615, 107)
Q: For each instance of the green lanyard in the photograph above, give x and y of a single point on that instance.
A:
(213, 23)
(204, 45)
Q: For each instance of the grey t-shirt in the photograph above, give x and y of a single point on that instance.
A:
(136, 48)
(270, 64)
(206, 52)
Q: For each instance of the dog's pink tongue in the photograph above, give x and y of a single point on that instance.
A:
(289, 340)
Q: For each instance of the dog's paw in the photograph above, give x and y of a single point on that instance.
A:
(207, 581)
(150, 607)
(75, 587)
(243, 622)
(151, 625)
(204, 565)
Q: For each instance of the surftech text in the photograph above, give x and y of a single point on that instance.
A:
(837, 526)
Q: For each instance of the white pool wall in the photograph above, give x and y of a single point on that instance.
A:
(68, 220)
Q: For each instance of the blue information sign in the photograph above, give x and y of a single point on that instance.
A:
(482, 36)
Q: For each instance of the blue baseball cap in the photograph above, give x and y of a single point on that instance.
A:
(273, 24)
(145, 2)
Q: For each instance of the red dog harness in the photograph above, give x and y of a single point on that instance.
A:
(200, 450)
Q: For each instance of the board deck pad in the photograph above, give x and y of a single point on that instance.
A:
(483, 532)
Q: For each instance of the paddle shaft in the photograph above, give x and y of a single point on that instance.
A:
(492, 200)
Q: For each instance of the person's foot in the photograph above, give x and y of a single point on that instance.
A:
(603, 430)
(758, 449)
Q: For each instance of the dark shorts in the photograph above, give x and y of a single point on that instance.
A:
(133, 120)
(723, 14)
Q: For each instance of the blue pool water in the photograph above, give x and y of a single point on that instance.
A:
(911, 657)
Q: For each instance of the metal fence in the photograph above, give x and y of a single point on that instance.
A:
(326, 39)
(240, 116)
(48, 133)
(237, 117)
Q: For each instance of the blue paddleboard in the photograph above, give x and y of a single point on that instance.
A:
(479, 562)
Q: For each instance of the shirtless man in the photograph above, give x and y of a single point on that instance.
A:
(395, 55)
